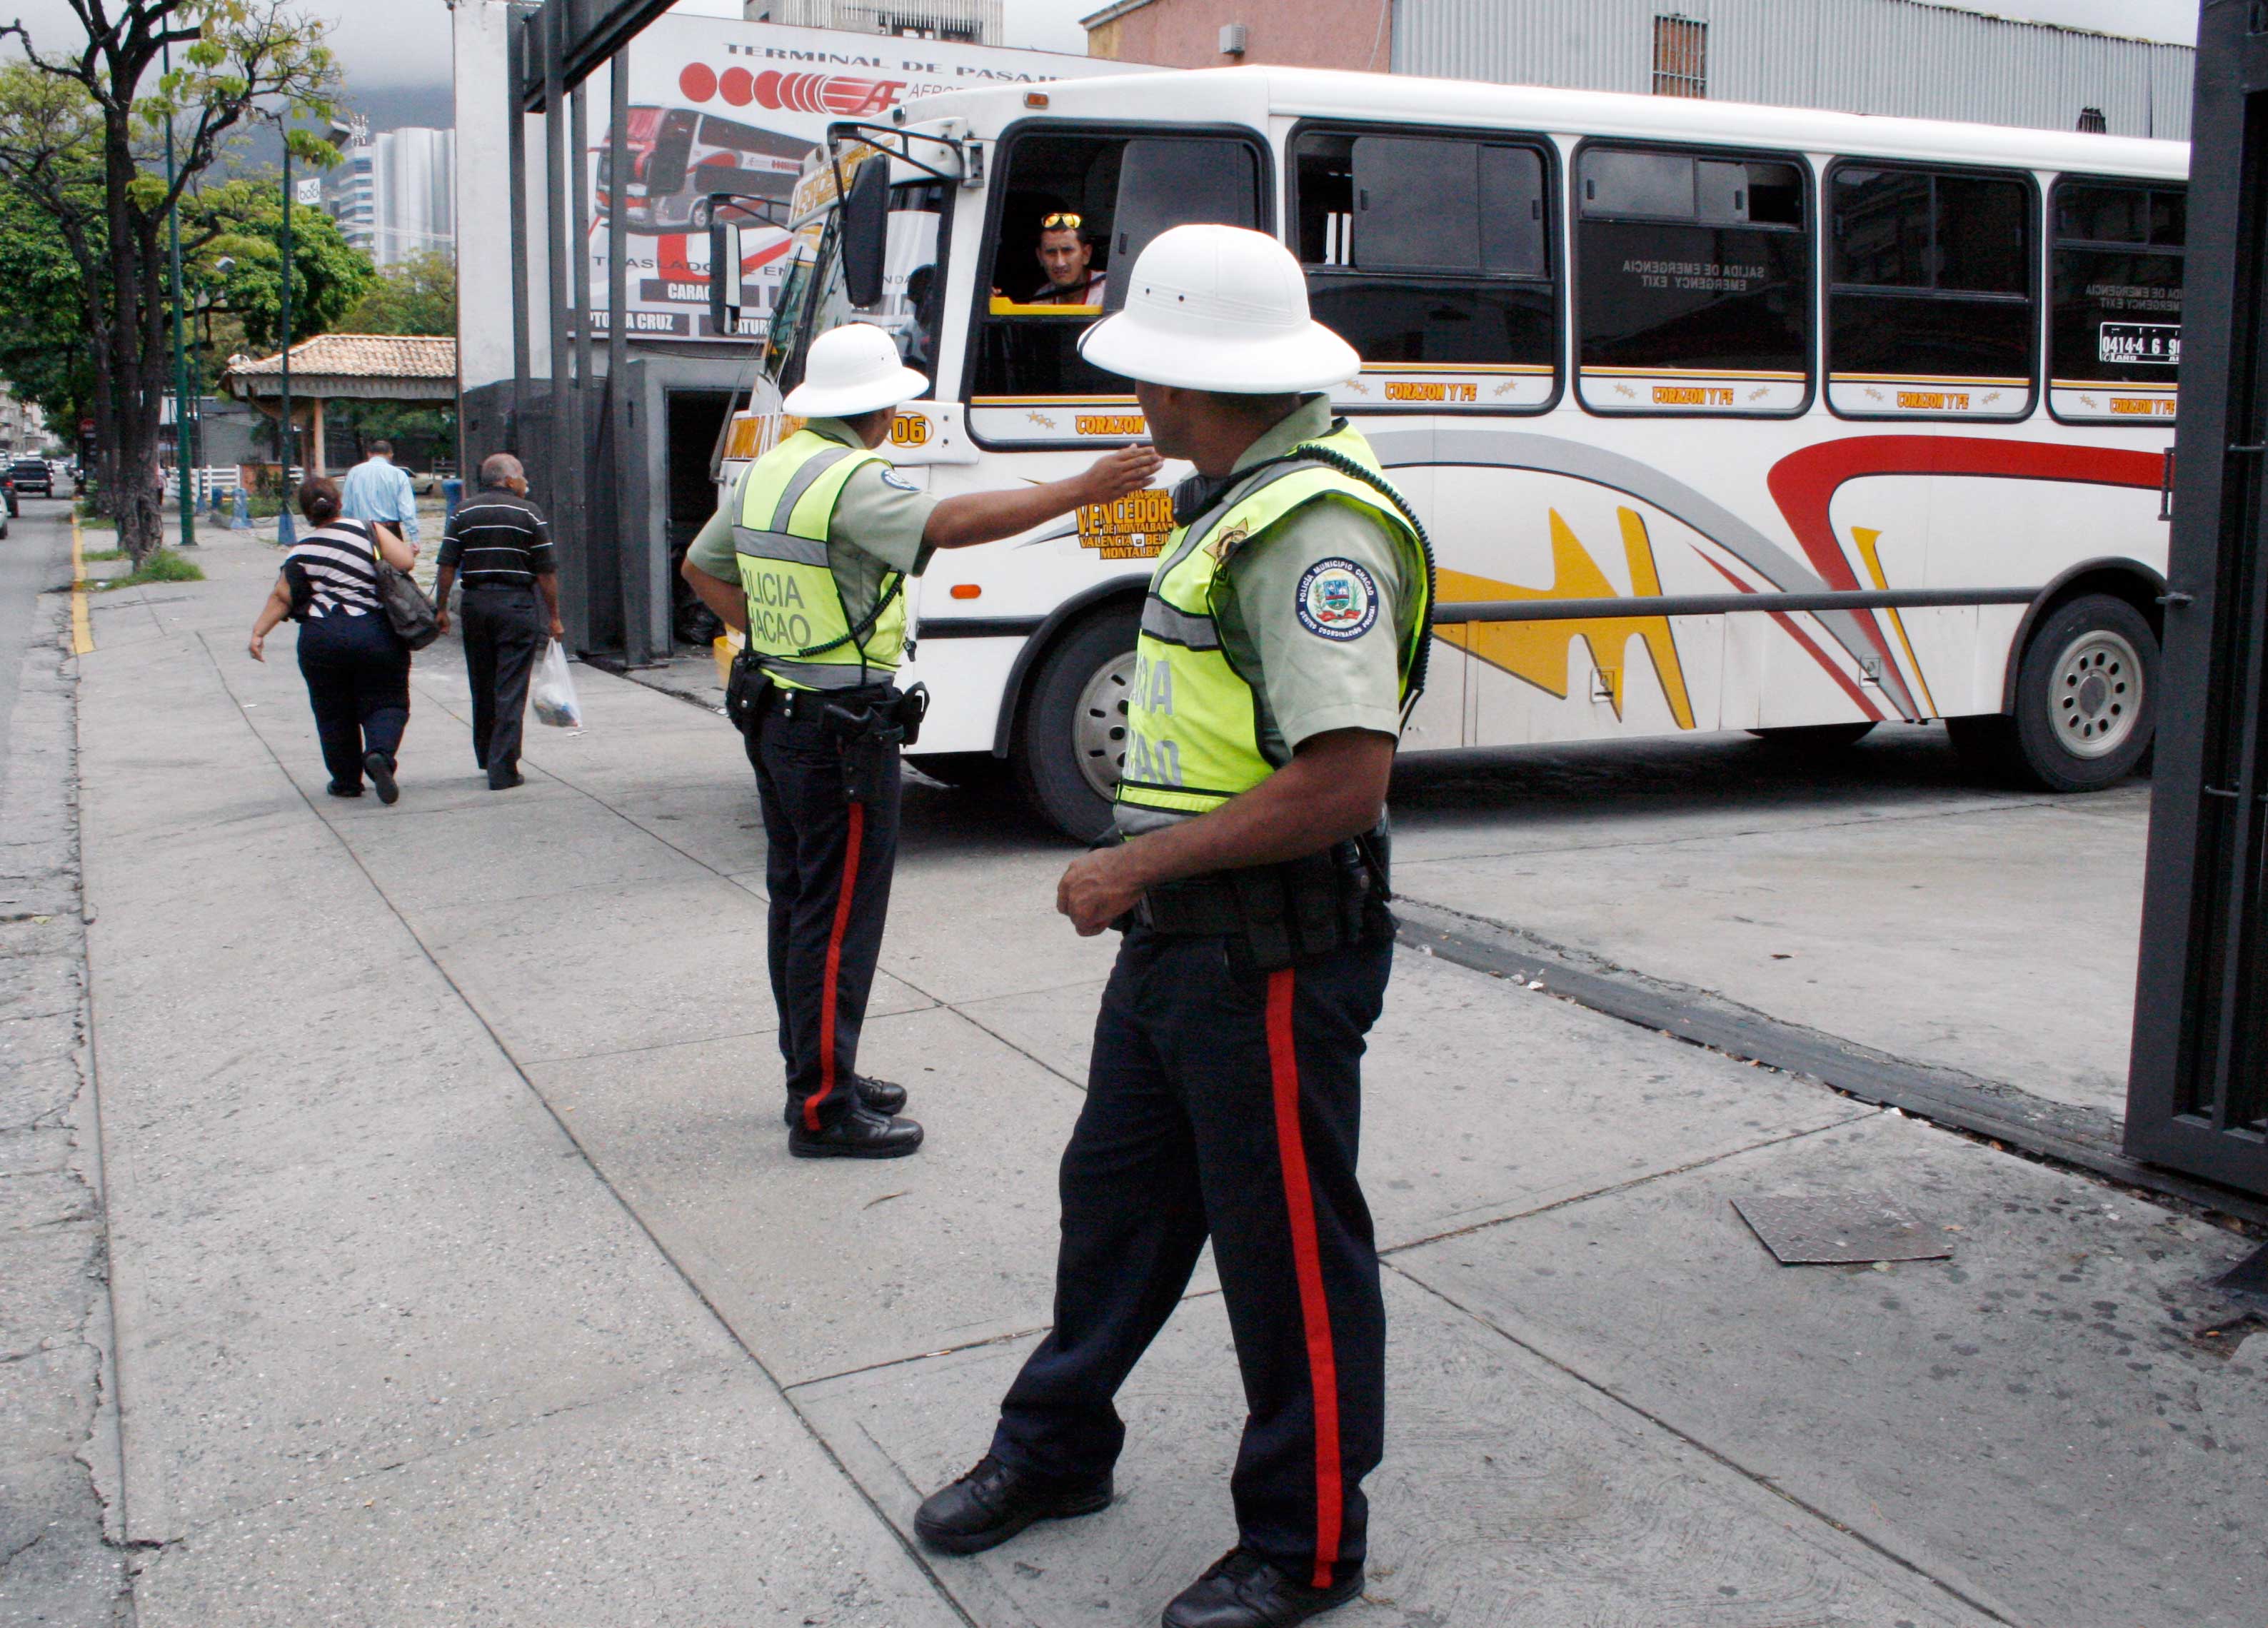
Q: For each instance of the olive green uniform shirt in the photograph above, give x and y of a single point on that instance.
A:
(877, 528)
(1309, 683)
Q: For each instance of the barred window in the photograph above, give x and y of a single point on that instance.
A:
(1680, 56)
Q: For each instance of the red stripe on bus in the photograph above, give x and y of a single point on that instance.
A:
(835, 967)
(1308, 1265)
(1805, 639)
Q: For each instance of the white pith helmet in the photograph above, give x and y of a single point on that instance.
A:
(851, 369)
(1219, 308)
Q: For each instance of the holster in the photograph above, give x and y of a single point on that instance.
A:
(747, 689)
(1270, 915)
(869, 729)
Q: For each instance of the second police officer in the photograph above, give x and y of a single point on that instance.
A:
(1282, 640)
(809, 556)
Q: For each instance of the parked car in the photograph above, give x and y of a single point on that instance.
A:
(34, 474)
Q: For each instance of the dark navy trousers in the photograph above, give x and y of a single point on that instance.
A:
(357, 677)
(1226, 1104)
(504, 632)
(827, 864)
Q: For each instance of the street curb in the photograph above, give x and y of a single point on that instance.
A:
(2083, 1138)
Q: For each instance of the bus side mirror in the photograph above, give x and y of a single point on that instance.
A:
(725, 263)
(866, 232)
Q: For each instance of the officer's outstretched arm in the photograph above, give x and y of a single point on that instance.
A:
(987, 517)
(1333, 788)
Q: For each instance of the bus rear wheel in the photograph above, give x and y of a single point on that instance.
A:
(2085, 701)
(1073, 739)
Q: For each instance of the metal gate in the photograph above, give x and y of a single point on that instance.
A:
(2198, 1092)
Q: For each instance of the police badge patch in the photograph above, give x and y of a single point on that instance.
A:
(891, 478)
(1337, 599)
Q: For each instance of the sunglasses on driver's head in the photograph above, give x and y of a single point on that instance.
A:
(1060, 223)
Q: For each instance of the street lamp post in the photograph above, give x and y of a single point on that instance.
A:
(285, 532)
(180, 347)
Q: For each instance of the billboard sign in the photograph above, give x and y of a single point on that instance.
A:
(719, 107)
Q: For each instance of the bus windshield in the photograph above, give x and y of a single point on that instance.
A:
(815, 297)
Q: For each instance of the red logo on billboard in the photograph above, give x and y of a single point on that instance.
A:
(835, 93)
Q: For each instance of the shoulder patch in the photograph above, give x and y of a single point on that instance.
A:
(891, 478)
(1337, 599)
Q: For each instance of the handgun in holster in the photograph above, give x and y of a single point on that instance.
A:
(869, 736)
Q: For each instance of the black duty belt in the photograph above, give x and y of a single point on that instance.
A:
(1273, 914)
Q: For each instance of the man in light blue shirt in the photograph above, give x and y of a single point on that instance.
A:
(374, 490)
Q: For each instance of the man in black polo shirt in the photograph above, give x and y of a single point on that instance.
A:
(501, 545)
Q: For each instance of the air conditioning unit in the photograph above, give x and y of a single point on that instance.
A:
(1233, 37)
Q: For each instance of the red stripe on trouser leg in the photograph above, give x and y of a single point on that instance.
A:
(1306, 1260)
(835, 968)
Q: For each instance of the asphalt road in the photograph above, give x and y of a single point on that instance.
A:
(34, 557)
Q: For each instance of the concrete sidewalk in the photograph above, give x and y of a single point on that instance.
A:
(461, 1272)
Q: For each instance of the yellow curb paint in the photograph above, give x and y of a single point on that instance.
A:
(722, 650)
(82, 631)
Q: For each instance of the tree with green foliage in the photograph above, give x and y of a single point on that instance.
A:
(82, 130)
(43, 350)
(418, 295)
(237, 227)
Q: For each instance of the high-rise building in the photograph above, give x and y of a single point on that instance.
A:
(976, 22)
(395, 194)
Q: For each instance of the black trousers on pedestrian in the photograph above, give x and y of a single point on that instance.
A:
(503, 633)
(1227, 1104)
(357, 677)
(828, 867)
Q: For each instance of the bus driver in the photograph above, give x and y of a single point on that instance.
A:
(1065, 254)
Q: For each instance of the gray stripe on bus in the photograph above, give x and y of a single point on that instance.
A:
(1549, 455)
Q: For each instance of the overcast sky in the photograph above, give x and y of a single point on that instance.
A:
(394, 45)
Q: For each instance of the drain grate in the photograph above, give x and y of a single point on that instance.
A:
(1841, 1228)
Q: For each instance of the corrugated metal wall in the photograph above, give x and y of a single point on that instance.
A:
(1880, 56)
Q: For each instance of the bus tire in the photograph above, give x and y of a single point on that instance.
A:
(1815, 737)
(2086, 696)
(1072, 736)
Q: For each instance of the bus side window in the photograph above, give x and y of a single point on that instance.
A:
(2114, 322)
(1431, 255)
(1692, 283)
(1930, 309)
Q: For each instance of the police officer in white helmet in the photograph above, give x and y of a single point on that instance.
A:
(809, 557)
(1283, 640)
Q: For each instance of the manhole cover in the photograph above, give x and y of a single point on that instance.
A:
(1840, 1227)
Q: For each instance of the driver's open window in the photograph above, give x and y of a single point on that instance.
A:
(1075, 210)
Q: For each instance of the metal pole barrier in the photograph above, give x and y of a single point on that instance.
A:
(516, 149)
(630, 537)
(555, 485)
(580, 408)
(181, 349)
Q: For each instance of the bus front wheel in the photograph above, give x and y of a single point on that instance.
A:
(2086, 700)
(1073, 736)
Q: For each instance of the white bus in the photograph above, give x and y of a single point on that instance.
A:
(1754, 418)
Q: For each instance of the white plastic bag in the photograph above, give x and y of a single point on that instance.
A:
(552, 690)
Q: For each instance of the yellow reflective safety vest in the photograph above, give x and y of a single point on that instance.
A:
(797, 620)
(1192, 720)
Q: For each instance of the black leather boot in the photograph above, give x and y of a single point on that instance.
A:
(876, 1096)
(856, 1135)
(992, 1503)
(1241, 1590)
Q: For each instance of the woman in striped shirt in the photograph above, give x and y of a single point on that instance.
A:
(357, 668)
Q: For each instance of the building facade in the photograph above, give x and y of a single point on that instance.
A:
(395, 195)
(971, 22)
(23, 425)
(1902, 57)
